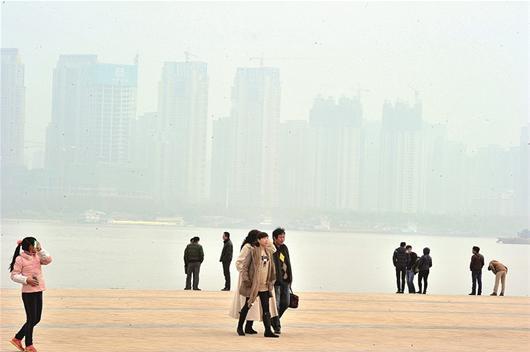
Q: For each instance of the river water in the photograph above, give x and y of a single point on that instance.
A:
(151, 257)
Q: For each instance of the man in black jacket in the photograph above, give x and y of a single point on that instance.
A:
(477, 262)
(411, 268)
(284, 276)
(193, 257)
(226, 259)
(400, 259)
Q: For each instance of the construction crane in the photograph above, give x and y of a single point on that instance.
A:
(187, 55)
(262, 59)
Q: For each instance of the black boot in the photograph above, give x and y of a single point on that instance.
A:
(275, 322)
(248, 328)
(242, 318)
(267, 324)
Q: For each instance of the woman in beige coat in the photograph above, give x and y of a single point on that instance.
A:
(255, 312)
(258, 275)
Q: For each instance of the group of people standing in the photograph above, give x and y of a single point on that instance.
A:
(265, 277)
(194, 256)
(408, 264)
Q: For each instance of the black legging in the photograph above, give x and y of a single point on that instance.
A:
(33, 306)
(264, 300)
(423, 274)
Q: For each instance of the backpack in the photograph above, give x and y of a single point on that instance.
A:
(416, 266)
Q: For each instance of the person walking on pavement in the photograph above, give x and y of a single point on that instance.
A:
(258, 276)
(284, 276)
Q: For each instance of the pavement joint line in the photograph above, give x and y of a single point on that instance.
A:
(311, 310)
(48, 297)
(320, 326)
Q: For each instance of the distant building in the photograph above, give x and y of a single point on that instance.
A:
(253, 180)
(13, 109)
(400, 171)
(297, 161)
(88, 138)
(369, 168)
(523, 180)
(183, 113)
(337, 127)
(223, 148)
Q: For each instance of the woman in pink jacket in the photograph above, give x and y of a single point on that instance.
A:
(26, 270)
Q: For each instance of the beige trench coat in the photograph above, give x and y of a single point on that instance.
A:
(255, 313)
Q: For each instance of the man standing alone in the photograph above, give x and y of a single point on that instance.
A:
(226, 259)
(400, 260)
(477, 262)
(284, 276)
(193, 257)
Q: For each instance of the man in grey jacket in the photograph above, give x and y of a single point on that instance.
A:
(193, 257)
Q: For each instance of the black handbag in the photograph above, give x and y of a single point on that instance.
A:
(293, 301)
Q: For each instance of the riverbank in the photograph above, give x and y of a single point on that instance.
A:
(130, 320)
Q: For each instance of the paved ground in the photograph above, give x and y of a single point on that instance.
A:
(123, 320)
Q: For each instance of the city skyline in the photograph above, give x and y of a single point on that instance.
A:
(40, 151)
(383, 51)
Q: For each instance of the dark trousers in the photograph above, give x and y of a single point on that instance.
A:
(283, 296)
(33, 306)
(265, 308)
(401, 274)
(422, 276)
(193, 269)
(226, 272)
(476, 277)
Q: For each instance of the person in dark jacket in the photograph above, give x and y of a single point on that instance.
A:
(226, 259)
(411, 268)
(424, 265)
(284, 276)
(400, 260)
(193, 257)
(476, 265)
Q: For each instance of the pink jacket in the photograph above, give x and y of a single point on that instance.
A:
(27, 265)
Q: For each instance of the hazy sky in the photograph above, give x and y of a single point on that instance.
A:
(468, 61)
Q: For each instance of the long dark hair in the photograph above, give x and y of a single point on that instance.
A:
(25, 244)
(252, 238)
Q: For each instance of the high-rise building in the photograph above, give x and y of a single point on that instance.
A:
(93, 105)
(370, 155)
(434, 170)
(338, 149)
(296, 165)
(13, 109)
(222, 160)
(400, 171)
(183, 112)
(253, 180)
(145, 153)
(523, 181)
